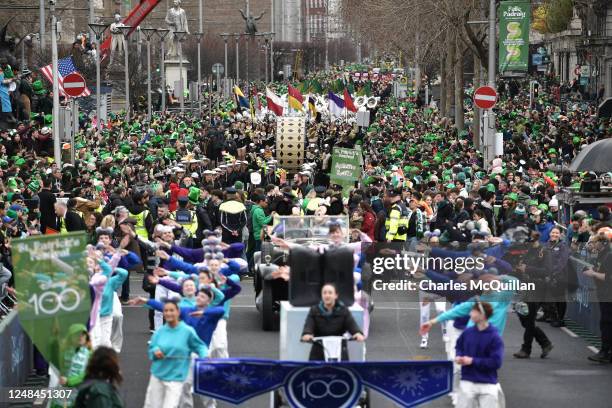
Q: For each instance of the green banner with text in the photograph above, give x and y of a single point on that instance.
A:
(514, 19)
(52, 286)
(346, 168)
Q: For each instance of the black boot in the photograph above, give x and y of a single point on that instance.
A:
(546, 350)
(604, 356)
(522, 354)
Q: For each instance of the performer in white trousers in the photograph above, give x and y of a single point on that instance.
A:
(117, 325)
(425, 300)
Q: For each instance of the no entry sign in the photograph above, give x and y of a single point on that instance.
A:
(485, 97)
(74, 84)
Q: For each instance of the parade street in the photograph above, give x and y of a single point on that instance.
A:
(565, 379)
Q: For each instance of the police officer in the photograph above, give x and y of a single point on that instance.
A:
(186, 218)
(396, 223)
(140, 212)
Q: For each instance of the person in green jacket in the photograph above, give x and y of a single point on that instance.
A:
(76, 351)
(259, 218)
(102, 377)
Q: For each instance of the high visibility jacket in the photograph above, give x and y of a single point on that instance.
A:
(396, 223)
(313, 204)
(187, 218)
(141, 229)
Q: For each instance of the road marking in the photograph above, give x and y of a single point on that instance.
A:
(569, 332)
(593, 349)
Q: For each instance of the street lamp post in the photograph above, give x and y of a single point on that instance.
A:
(272, 57)
(125, 30)
(266, 45)
(162, 33)
(148, 34)
(23, 40)
(225, 37)
(181, 36)
(56, 103)
(237, 36)
(199, 36)
(98, 29)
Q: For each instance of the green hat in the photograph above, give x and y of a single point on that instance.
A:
(20, 162)
(543, 207)
(461, 176)
(170, 153)
(48, 119)
(491, 187)
(174, 136)
(38, 87)
(425, 163)
(11, 214)
(11, 183)
(125, 148)
(194, 195)
(576, 140)
(150, 159)
(513, 196)
(239, 185)
(34, 186)
(552, 151)
(450, 185)
(533, 202)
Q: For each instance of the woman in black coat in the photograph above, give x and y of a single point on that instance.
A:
(329, 318)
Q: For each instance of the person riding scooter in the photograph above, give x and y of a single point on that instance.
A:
(329, 318)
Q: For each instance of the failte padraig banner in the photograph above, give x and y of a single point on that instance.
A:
(514, 17)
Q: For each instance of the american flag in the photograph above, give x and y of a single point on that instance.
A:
(65, 66)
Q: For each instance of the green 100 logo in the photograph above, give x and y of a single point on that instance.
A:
(51, 302)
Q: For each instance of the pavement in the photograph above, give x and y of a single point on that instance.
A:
(566, 379)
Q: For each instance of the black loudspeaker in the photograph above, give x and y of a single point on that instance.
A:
(304, 277)
(309, 270)
(337, 268)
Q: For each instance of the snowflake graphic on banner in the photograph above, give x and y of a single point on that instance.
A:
(239, 379)
(437, 372)
(408, 381)
(375, 373)
(207, 371)
(272, 374)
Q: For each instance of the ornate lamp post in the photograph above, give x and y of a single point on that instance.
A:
(125, 30)
(162, 33)
(98, 29)
(148, 34)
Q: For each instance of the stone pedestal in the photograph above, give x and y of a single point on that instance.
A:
(115, 74)
(173, 74)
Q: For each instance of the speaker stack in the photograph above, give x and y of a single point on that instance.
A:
(290, 142)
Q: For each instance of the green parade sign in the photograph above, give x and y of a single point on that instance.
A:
(52, 286)
(514, 19)
(346, 167)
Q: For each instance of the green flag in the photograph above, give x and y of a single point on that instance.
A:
(514, 35)
(53, 291)
(315, 87)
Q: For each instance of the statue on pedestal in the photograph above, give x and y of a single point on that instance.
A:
(177, 21)
(117, 45)
(251, 27)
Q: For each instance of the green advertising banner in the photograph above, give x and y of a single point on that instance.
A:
(52, 286)
(514, 19)
(346, 167)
